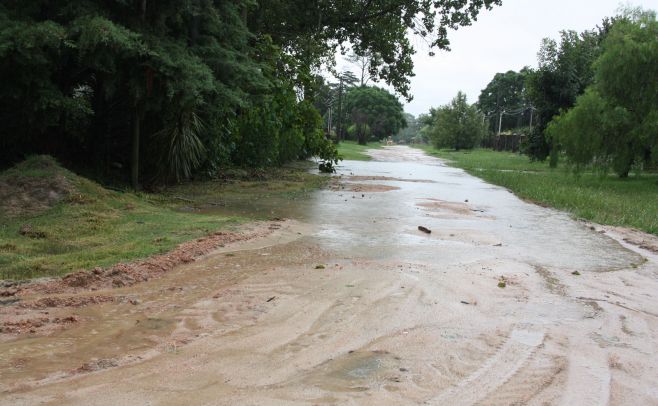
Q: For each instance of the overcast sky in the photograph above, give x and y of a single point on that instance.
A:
(505, 38)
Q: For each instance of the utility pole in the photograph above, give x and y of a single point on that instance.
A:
(500, 121)
(329, 124)
(532, 109)
(340, 109)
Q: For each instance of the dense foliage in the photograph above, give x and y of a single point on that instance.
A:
(171, 88)
(615, 123)
(564, 72)
(505, 102)
(457, 125)
(373, 112)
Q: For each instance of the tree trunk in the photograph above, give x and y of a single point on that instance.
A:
(135, 151)
(142, 10)
(361, 136)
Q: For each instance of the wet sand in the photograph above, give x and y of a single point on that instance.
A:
(351, 304)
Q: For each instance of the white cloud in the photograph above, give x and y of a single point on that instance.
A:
(506, 38)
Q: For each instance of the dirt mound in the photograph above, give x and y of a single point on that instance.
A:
(32, 187)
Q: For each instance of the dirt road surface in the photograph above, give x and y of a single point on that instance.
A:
(504, 302)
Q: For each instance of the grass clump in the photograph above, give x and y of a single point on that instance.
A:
(352, 151)
(603, 199)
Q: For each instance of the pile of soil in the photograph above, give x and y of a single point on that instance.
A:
(22, 194)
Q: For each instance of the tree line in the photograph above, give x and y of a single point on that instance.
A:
(592, 101)
(164, 90)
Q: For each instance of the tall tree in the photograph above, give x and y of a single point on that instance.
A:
(564, 72)
(615, 123)
(374, 111)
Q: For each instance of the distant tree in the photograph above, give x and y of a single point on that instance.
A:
(376, 109)
(615, 123)
(457, 125)
(409, 133)
(425, 123)
(506, 93)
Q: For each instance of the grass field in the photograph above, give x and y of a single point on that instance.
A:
(93, 226)
(352, 151)
(603, 199)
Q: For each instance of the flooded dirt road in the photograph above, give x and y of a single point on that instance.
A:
(503, 303)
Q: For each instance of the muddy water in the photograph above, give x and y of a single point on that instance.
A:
(353, 304)
(384, 225)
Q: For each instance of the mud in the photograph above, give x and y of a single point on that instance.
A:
(386, 178)
(27, 315)
(637, 238)
(362, 187)
(393, 316)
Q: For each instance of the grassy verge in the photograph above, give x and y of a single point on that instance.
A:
(602, 199)
(92, 226)
(352, 151)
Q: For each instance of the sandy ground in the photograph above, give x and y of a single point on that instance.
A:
(503, 303)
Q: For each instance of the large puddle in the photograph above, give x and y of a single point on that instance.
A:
(469, 219)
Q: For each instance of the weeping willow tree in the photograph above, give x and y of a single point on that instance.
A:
(614, 125)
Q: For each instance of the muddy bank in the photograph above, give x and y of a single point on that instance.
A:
(631, 236)
(27, 305)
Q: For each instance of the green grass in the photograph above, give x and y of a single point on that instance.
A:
(603, 199)
(94, 226)
(352, 151)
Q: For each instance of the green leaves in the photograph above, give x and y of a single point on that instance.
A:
(613, 125)
(457, 125)
(314, 31)
(374, 111)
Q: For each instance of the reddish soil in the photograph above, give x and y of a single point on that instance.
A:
(31, 315)
(388, 178)
(362, 187)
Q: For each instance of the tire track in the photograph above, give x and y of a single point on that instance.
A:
(504, 364)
